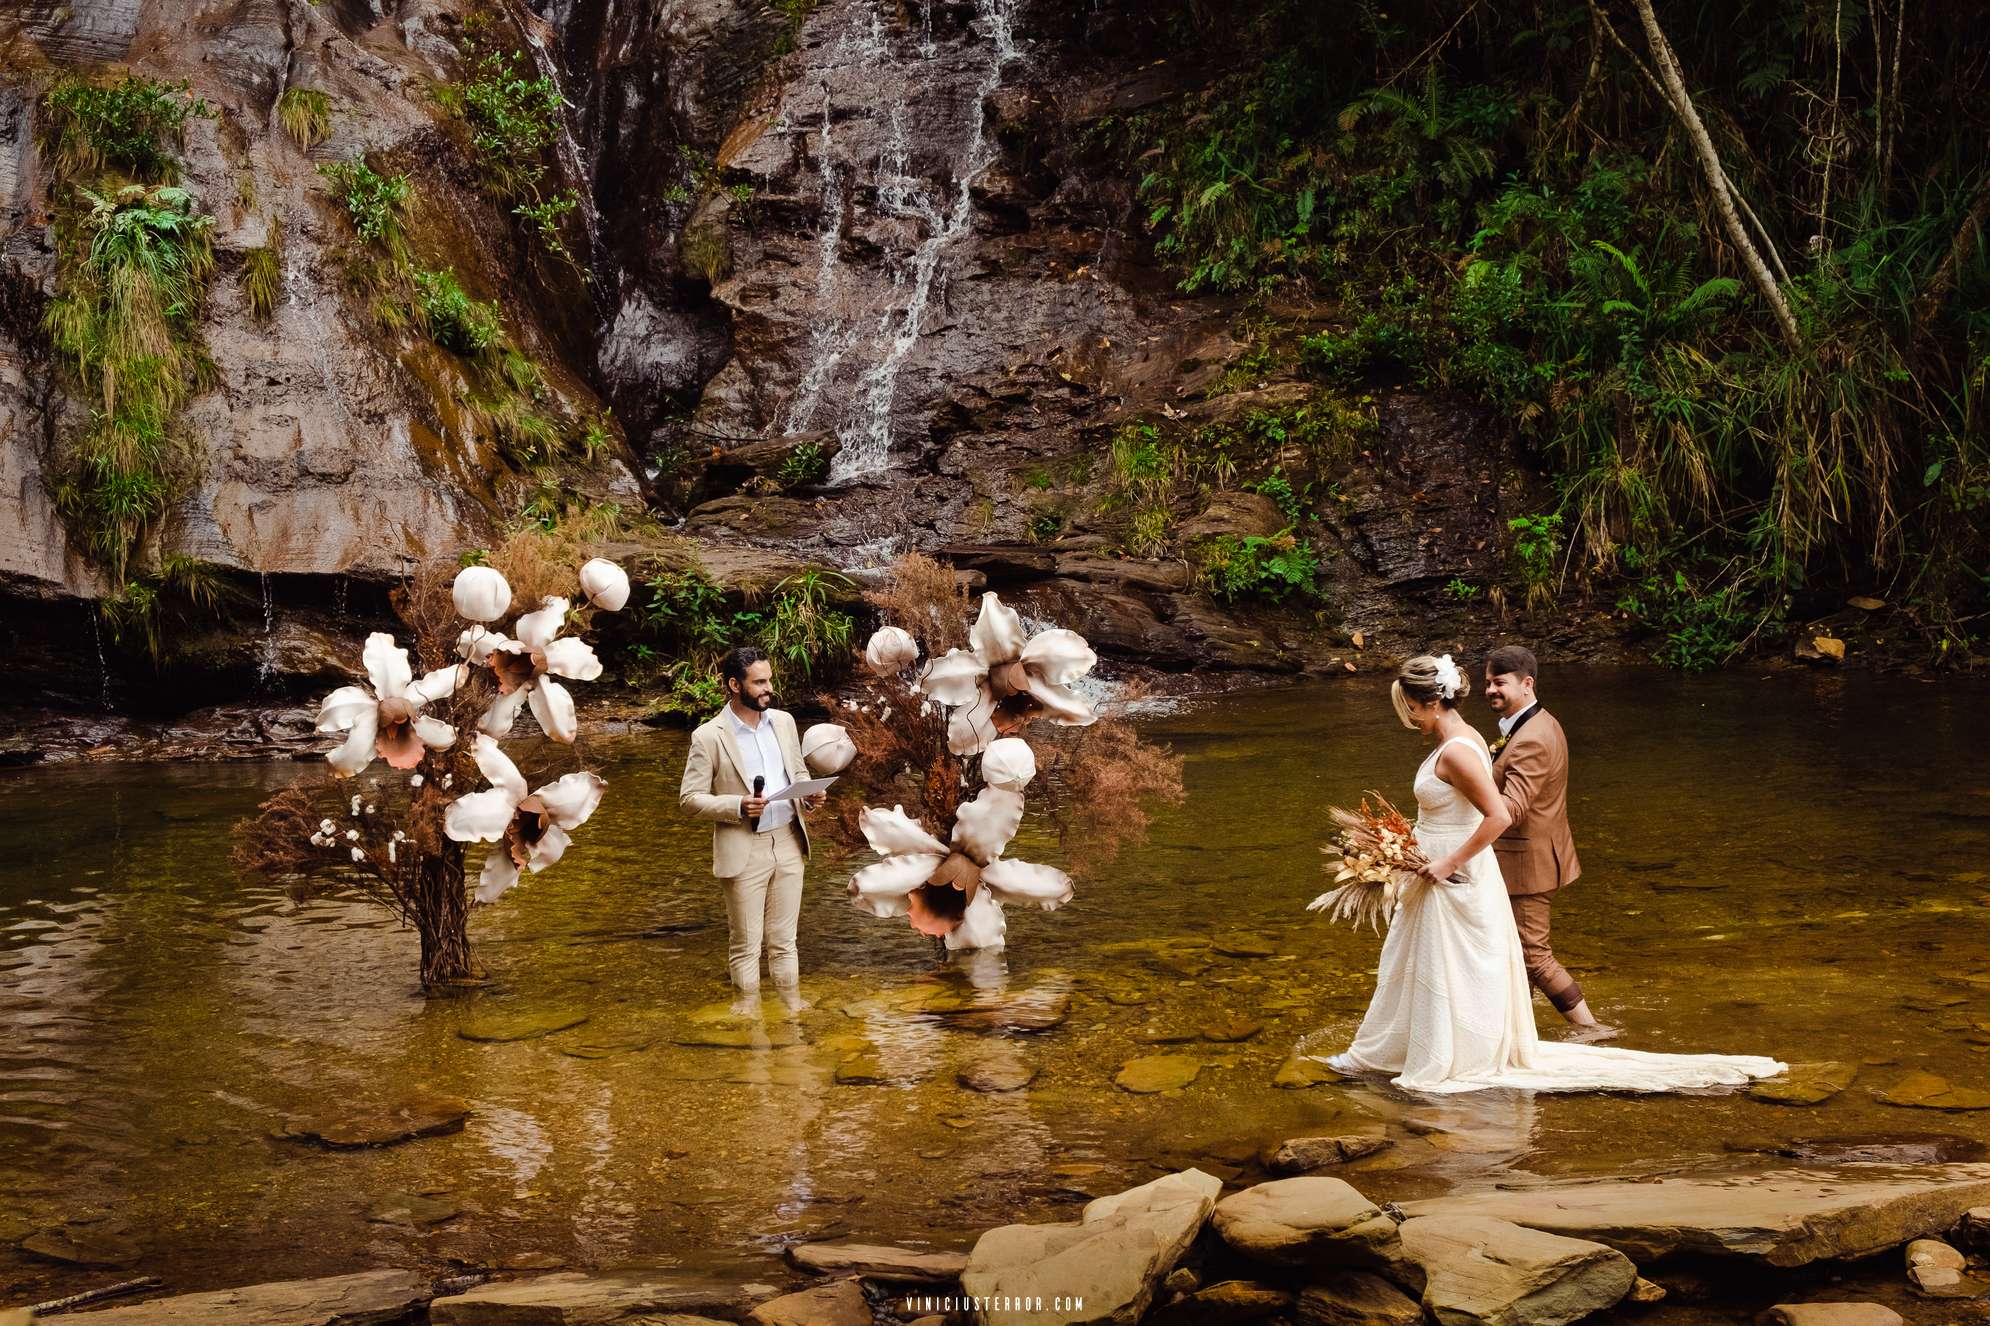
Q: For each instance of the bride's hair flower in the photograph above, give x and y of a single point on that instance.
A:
(1450, 681)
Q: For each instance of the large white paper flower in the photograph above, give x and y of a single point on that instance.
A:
(941, 887)
(525, 669)
(827, 749)
(890, 651)
(605, 584)
(481, 594)
(1005, 679)
(532, 829)
(387, 721)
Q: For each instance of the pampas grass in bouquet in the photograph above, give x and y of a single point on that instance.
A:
(1375, 861)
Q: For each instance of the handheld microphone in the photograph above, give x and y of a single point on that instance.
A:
(759, 786)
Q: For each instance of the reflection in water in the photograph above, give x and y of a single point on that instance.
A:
(1742, 891)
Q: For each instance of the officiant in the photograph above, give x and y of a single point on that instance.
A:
(739, 763)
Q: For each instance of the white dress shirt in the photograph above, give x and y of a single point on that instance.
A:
(761, 750)
(1507, 724)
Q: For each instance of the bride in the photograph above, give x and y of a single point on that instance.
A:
(1452, 1009)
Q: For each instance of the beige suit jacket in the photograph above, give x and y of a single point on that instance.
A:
(715, 784)
(1537, 854)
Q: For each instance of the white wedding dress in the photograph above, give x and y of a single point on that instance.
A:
(1452, 1009)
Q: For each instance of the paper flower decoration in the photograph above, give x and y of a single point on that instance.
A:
(827, 749)
(525, 669)
(946, 889)
(890, 651)
(481, 594)
(533, 829)
(1007, 678)
(605, 584)
(387, 721)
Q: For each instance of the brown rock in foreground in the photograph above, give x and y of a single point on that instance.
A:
(1787, 1217)
(874, 1261)
(371, 1298)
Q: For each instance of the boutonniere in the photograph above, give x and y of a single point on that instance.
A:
(1498, 745)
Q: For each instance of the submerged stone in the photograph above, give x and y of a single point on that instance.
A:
(385, 1124)
(1806, 1084)
(82, 1245)
(1302, 1155)
(406, 1208)
(1000, 1069)
(369, 1298)
(502, 1027)
(746, 1035)
(877, 1262)
(1156, 1073)
(1925, 1091)
(1231, 1030)
(1301, 1071)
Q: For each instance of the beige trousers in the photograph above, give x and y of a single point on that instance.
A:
(764, 905)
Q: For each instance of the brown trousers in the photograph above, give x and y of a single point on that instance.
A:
(1530, 917)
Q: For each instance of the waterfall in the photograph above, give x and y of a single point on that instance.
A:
(830, 338)
(573, 165)
(266, 653)
(103, 664)
(943, 213)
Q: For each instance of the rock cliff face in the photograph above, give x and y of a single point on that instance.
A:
(866, 229)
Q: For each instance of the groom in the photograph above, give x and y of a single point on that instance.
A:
(1537, 854)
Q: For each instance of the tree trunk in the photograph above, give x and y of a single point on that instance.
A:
(441, 908)
(1674, 83)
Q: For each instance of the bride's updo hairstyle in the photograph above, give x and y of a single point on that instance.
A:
(1428, 679)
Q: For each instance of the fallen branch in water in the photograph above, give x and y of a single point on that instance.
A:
(95, 1295)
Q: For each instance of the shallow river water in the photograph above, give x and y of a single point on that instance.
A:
(1792, 865)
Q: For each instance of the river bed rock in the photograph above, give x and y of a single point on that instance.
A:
(388, 1123)
(1112, 1259)
(1312, 1222)
(1485, 1272)
(1155, 1073)
(875, 1261)
(1806, 1084)
(369, 1298)
(839, 1304)
(575, 1298)
(1356, 1298)
(1831, 1314)
(1781, 1217)
(1226, 1303)
(1303, 1155)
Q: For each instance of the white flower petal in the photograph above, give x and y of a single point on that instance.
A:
(357, 752)
(554, 709)
(497, 720)
(537, 629)
(1060, 657)
(971, 730)
(895, 876)
(984, 826)
(434, 733)
(1060, 704)
(480, 593)
(1020, 881)
(998, 632)
(480, 817)
(476, 643)
(386, 666)
(605, 584)
(890, 650)
(343, 707)
(498, 876)
(891, 832)
(1008, 763)
(573, 658)
(957, 677)
(497, 768)
(437, 685)
(570, 800)
(982, 925)
(827, 749)
(552, 845)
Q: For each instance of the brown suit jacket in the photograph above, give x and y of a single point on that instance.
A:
(1537, 854)
(714, 786)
